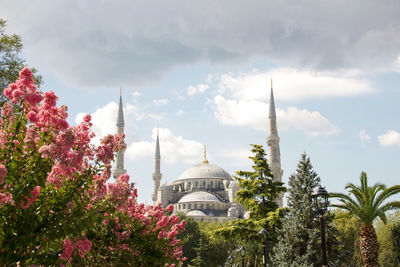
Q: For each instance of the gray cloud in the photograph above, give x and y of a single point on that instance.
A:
(95, 43)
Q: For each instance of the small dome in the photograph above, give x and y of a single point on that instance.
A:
(205, 170)
(246, 215)
(233, 212)
(199, 196)
(165, 186)
(196, 213)
(233, 184)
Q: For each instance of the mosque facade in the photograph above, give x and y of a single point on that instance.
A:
(205, 192)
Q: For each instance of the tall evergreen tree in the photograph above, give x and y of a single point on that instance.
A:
(257, 196)
(298, 241)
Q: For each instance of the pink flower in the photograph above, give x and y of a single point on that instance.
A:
(170, 208)
(67, 250)
(84, 247)
(3, 172)
(30, 200)
(6, 198)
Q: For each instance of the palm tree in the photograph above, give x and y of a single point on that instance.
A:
(367, 205)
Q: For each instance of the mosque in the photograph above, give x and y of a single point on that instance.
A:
(205, 192)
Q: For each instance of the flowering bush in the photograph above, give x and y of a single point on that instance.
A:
(56, 206)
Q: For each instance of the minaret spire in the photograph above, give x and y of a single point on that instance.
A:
(274, 155)
(119, 161)
(205, 161)
(157, 175)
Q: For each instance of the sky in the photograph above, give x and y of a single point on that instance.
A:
(199, 71)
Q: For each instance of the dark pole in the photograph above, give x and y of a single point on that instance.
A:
(266, 252)
(323, 244)
(242, 261)
(265, 258)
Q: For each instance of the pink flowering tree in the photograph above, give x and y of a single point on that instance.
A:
(56, 206)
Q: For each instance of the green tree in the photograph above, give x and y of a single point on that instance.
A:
(257, 197)
(396, 241)
(387, 250)
(369, 203)
(212, 250)
(190, 238)
(10, 59)
(348, 238)
(298, 241)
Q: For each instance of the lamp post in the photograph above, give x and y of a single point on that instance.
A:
(264, 235)
(320, 197)
(242, 252)
(230, 260)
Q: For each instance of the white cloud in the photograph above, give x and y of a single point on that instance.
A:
(160, 102)
(156, 117)
(136, 94)
(173, 148)
(254, 114)
(180, 112)
(241, 113)
(310, 122)
(201, 88)
(102, 119)
(364, 137)
(292, 85)
(390, 138)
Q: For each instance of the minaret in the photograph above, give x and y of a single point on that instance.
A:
(274, 156)
(157, 175)
(119, 161)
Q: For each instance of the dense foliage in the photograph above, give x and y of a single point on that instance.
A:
(56, 206)
(387, 239)
(347, 227)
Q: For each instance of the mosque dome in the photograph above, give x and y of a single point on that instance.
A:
(205, 171)
(199, 196)
(233, 212)
(165, 186)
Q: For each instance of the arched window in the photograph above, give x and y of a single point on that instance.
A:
(212, 184)
(189, 206)
(204, 184)
(184, 206)
(196, 184)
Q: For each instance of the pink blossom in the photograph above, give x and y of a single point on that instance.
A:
(83, 247)
(67, 250)
(170, 208)
(3, 173)
(30, 200)
(6, 198)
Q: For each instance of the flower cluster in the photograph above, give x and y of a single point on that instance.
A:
(66, 209)
(80, 246)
